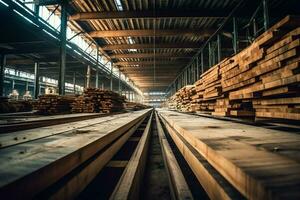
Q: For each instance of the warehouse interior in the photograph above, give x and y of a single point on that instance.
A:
(150, 99)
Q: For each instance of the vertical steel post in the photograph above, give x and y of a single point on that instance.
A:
(36, 79)
(111, 77)
(2, 74)
(74, 82)
(235, 35)
(266, 14)
(202, 62)
(97, 79)
(119, 82)
(209, 55)
(13, 82)
(36, 9)
(197, 68)
(219, 48)
(63, 41)
(97, 63)
(88, 76)
(26, 86)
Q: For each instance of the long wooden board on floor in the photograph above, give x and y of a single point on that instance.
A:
(17, 137)
(260, 163)
(129, 185)
(28, 168)
(18, 124)
(177, 182)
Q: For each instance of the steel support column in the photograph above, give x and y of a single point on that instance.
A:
(202, 62)
(2, 68)
(97, 79)
(235, 35)
(111, 76)
(74, 82)
(88, 76)
(209, 55)
(219, 48)
(13, 84)
(266, 14)
(97, 63)
(119, 82)
(36, 9)
(36, 80)
(26, 86)
(63, 41)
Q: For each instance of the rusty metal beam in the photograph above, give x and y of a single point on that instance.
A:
(150, 46)
(152, 33)
(174, 13)
(150, 55)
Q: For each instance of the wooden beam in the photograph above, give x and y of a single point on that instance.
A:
(23, 179)
(173, 13)
(151, 33)
(150, 46)
(129, 185)
(151, 63)
(151, 55)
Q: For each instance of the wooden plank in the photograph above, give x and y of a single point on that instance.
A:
(213, 183)
(130, 182)
(179, 187)
(117, 163)
(19, 137)
(74, 185)
(256, 173)
(29, 168)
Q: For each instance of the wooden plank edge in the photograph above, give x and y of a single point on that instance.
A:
(77, 183)
(128, 186)
(215, 185)
(178, 185)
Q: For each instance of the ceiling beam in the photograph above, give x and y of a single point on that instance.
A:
(152, 33)
(150, 63)
(30, 61)
(172, 13)
(151, 46)
(151, 55)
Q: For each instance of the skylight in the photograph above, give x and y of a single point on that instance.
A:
(119, 5)
(131, 41)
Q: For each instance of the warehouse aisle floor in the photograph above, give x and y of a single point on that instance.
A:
(156, 185)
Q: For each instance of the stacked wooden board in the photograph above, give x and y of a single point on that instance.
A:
(54, 104)
(10, 106)
(183, 98)
(266, 73)
(98, 100)
(237, 161)
(262, 80)
(133, 106)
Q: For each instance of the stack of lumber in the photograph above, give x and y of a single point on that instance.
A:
(262, 80)
(98, 100)
(212, 89)
(267, 72)
(11, 106)
(54, 104)
(182, 99)
(133, 106)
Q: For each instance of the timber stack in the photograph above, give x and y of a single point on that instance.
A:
(49, 104)
(98, 100)
(133, 106)
(262, 80)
